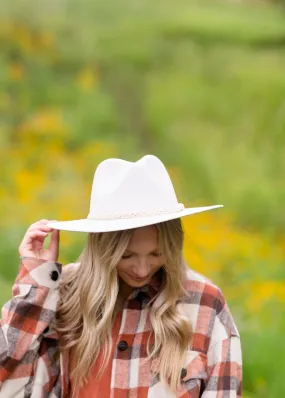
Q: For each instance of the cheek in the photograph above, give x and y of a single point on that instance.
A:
(157, 262)
(128, 265)
(160, 260)
(153, 261)
(122, 266)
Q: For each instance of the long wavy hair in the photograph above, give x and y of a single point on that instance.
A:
(90, 294)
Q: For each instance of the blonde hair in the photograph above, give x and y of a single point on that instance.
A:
(89, 298)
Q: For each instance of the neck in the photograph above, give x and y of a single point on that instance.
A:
(124, 290)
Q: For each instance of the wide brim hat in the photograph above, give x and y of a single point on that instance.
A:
(128, 195)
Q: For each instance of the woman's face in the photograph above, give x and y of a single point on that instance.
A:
(142, 258)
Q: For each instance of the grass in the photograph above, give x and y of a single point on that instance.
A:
(5, 291)
(201, 85)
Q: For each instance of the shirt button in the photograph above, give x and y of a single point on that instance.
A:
(123, 345)
(183, 373)
(54, 275)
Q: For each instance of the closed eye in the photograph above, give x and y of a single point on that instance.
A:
(127, 256)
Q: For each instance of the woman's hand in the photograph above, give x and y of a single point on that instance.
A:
(32, 244)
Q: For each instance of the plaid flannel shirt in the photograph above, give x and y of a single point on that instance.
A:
(29, 366)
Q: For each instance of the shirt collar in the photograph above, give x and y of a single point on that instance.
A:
(151, 289)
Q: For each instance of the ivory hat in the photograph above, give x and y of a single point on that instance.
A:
(129, 195)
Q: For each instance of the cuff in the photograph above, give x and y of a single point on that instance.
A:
(39, 272)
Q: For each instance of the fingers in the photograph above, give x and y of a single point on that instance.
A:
(35, 236)
(40, 222)
(43, 221)
(40, 228)
(31, 235)
(54, 240)
(37, 232)
(37, 229)
(41, 225)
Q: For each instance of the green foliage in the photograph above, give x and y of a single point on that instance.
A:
(198, 83)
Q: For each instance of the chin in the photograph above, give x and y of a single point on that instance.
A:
(133, 283)
(139, 284)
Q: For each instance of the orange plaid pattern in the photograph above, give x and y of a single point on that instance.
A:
(29, 366)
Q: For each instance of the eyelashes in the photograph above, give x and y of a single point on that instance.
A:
(126, 256)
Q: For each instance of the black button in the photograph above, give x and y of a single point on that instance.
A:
(183, 373)
(54, 275)
(122, 346)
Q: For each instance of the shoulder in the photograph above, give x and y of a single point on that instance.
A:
(203, 290)
(206, 307)
(68, 270)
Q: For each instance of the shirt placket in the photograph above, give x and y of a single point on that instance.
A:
(127, 366)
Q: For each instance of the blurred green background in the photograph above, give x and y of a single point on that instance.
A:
(199, 84)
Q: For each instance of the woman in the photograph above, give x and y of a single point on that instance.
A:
(129, 319)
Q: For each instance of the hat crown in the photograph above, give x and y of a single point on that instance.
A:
(128, 195)
(122, 187)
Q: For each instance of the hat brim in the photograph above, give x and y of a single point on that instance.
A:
(87, 225)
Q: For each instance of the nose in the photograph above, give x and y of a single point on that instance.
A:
(142, 269)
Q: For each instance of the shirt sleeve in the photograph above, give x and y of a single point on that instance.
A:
(28, 314)
(224, 369)
(224, 356)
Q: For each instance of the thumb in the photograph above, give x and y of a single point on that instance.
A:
(54, 241)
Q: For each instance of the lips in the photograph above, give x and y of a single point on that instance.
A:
(138, 278)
